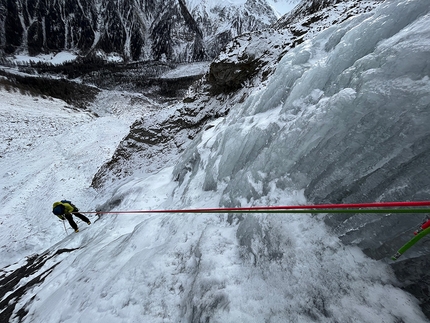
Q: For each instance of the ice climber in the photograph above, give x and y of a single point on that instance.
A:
(65, 209)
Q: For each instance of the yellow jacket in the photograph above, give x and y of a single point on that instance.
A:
(67, 207)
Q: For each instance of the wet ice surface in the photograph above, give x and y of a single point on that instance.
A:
(343, 110)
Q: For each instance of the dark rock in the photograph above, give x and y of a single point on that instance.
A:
(15, 284)
(227, 76)
(137, 30)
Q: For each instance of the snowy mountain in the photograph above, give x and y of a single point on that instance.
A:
(174, 30)
(244, 63)
(338, 113)
(282, 7)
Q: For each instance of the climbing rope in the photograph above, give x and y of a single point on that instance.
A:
(377, 207)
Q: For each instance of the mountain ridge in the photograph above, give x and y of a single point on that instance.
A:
(135, 29)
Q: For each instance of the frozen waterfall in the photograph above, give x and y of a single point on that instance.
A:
(345, 118)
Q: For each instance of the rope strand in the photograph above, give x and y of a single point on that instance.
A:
(378, 207)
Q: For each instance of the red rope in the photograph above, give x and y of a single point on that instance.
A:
(285, 207)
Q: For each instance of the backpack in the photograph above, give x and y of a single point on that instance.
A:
(75, 209)
(58, 210)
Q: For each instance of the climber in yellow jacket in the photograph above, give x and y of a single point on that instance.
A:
(65, 209)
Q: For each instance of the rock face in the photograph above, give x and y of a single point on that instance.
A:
(254, 53)
(154, 143)
(135, 29)
(12, 291)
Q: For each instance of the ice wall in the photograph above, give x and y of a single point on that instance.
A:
(345, 118)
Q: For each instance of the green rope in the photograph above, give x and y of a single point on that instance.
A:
(410, 243)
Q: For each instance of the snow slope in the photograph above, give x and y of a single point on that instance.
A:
(231, 268)
(50, 151)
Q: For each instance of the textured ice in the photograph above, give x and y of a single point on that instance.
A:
(344, 118)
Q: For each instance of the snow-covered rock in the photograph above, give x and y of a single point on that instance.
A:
(173, 30)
